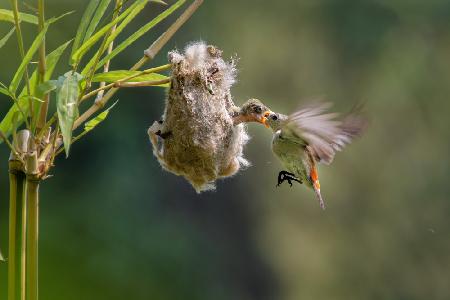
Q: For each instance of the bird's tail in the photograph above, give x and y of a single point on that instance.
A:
(316, 185)
(319, 197)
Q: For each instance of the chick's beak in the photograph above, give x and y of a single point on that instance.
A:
(263, 119)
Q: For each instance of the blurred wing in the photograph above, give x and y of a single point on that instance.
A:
(322, 131)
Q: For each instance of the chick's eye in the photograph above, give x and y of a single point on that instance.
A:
(258, 110)
(274, 117)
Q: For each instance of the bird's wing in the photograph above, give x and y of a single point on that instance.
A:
(322, 131)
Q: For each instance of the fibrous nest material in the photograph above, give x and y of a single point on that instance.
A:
(196, 137)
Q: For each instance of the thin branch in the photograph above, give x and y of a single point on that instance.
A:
(142, 83)
(42, 67)
(154, 49)
(101, 49)
(46, 126)
(106, 66)
(22, 52)
(7, 142)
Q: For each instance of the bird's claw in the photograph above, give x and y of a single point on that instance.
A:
(286, 176)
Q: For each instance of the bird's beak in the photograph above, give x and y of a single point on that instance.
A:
(263, 119)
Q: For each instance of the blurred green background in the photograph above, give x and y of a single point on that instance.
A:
(114, 225)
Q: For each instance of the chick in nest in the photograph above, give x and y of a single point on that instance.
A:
(202, 134)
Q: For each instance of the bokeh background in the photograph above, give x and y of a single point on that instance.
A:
(115, 226)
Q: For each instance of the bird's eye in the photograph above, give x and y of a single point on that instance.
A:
(258, 110)
(274, 117)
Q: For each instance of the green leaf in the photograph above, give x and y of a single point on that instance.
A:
(67, 105)
(78, 55)
(6, 125)
(26, 60)
(47, 86)
(85, 19)
(55, 19)
(99, 12)
(8, 15)
(91, 124)
(6, 37)
(131, 39)
(4, 91)
(116, 75)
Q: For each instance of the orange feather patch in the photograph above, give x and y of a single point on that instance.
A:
(315, 178)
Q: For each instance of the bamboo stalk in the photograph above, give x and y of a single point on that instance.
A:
(17, 198)
(32, 222)
(16, 189)
(32, 235)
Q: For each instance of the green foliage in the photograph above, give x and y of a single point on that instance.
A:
(99, 12)
(67, 91)
(140, 32)
(131, 15)
(82, 28)
(47, 86)
(26, 60)
(4, 90)
(7, 124)
(117, 75)
(81, 51)
(8, 16)
(88, 126)
(6, 37)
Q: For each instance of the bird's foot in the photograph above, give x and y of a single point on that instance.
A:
(287, 176)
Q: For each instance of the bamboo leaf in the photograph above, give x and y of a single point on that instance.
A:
(8, 16)
(4, 91)
(78, 55)
(99, 12)
(26, 60)
(84, 23)
(91, 124)
(117, 75)
(47, 86)
(66, 105)
(6, 125)
(131, 39)
(55, 19)
(6, 37)
(133, 13)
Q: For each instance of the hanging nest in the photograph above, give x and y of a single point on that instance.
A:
(196, 137)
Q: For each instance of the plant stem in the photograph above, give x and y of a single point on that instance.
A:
(101, 49)
(16, 189)
(142, 83)
(151, 52)
(42, 67)
(23, 249)
(15, 7)
(32, 235)
(110, 48)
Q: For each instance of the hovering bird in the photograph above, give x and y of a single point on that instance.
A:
(308, 137)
